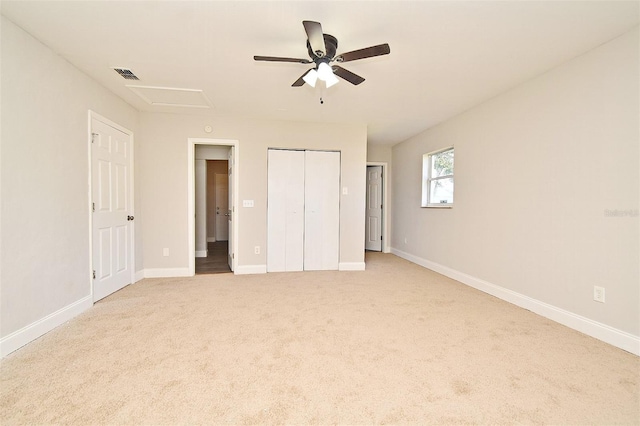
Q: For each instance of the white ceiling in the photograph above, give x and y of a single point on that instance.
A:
(446, 56)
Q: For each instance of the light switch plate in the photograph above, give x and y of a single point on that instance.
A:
(247, 203)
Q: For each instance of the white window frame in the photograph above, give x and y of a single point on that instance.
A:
(427, 179)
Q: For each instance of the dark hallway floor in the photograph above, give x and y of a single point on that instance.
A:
(216, 262)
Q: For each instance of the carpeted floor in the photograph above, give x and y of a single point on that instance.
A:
(396, 344)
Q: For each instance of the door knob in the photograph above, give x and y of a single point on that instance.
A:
(129, 217)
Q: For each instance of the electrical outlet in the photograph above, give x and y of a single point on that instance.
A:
(598, 294)
(256, 249)
(165, 252)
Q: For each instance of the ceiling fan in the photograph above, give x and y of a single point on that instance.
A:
(322, 51)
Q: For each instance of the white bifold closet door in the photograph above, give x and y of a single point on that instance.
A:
(285, 211)
(303, 219)
(321, 210)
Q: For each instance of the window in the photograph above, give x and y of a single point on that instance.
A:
(437, 178)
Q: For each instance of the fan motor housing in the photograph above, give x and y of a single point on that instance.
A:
(330, 43)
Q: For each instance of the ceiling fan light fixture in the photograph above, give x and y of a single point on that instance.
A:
(331, 80)
(324, 71)
(322, 51)
(311, 77)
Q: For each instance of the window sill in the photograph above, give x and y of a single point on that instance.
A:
(436, 206)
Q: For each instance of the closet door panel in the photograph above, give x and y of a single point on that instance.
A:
(322, 210)
(285, 210)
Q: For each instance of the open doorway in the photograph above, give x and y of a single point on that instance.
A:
(212, 176)
(214, 259)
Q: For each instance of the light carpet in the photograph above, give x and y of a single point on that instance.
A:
(395, 344)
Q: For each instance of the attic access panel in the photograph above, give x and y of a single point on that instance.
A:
(171, 96)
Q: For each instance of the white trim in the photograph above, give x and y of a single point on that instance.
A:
(386, 227)
(351, 266)
(31, 332)
(191, 147)
(202, 253)
(132, 234)
(139, 275)
(250, 269)
(211, 239)
(608, 334)
(166, 272)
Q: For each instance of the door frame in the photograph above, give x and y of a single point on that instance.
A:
(386, 247)
(132, 247)
(191, 201)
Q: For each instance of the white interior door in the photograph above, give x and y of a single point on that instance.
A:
(285, 212)
(111, 165)
(373, 230)
(230, 208)
(322, 210)
(222, 206)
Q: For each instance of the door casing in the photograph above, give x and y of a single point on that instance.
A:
(233, 237)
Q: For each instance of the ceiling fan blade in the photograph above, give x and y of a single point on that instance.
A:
(278, 59)
(300, 82)
(367, 52)
(316, 37)
(347, 75)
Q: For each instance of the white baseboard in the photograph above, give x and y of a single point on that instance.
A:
(138, 276)
(250, 269)
(202, 253)
(610, 335)
(27, 334)
(211, 239)
(166, 272)
(351, 266)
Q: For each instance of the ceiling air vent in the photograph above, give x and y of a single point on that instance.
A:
(126, 74)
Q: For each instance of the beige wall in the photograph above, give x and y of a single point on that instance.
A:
(44, 267)
(379, 153)
(537, 170)
(164, 181)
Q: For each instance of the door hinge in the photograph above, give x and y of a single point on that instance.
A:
(93, 207)
(233, 255)
(94, 274)
(93, 137)
(380, 237)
